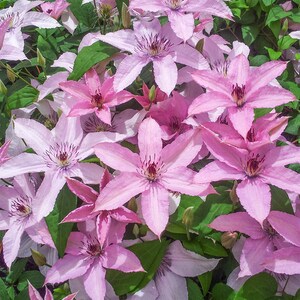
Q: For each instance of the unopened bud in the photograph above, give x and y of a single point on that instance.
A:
(39, 259)
(285, 26)
(200, 45)
(3, 89)
(143, 230)
(132, 205)
(136, 230)
(233, 196)
(41, 59)
(10, 73)
(152, 93)
(188, 217)
(126, 18)
(228, 239)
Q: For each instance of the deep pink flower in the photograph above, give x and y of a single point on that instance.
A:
(86, 258)
(154, 172)
(256, 169)
(54, 9)
(111, 224)
(240, 91)
(94, 96)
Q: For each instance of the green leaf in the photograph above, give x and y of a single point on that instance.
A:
(250, 32)
(150, 255)
(3, 291)
(65, 202)
(258, 287)
(294, 126)
(35, 278)
(89, 56)
(205, 281)
(274, 55)
(276, 13)
(268, 2)
(285, 42)
(16, 270)
(280, 200)
(22, 98)
(212, 248)
(85, 14)
(194, 290)
(258, 60)
(222, 291)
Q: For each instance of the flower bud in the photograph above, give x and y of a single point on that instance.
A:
(3, 89)
(228, 239)
(136, 230)
(188, 217)
(233, 196)
(10, 74)
(132, 205)
(41, 59)
(126, 18)
(200, 45)
(152, 93)
(39, 259)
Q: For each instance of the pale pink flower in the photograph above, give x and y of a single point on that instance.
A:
(58, 154)
(154, 172)
(4, 152)
(256, 169)
(180, 12)
(17, 216)
(240, 91)
(151, 42)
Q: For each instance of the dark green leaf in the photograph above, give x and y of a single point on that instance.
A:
(89, 56)
(34, 277)
(194, 290)
(22, 98)
(65, 202)
(205, 281)
(280, 200)
(222, 291)
(16, 270)
(3, 291)
(150, 255)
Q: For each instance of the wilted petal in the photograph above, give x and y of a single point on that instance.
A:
(155, 208)
(255, 196)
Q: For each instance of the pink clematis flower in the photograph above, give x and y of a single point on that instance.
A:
(3, 152)
(34, 294)
(279, 230)
(170, 115)
(256, 169)
(58, 154)
(154, 172)
(180, 12)
(240, 91)
(86, 258)
(94, 97)
(20, 16)
(110, 224)
(54, 9)
(151, 42)
(17, 217)
(177, 264)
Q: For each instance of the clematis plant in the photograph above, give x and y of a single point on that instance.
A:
(154, 172)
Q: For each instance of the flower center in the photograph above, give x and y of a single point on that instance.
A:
(152, 169)
(97, 100)
(153, 45)
(270, 231)
(92, 247)
(251, 135)
(21, 207)
(61, 156)
(94, 124)
(254, 165)
(238, 94)
(174, 4)
(15, 20)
